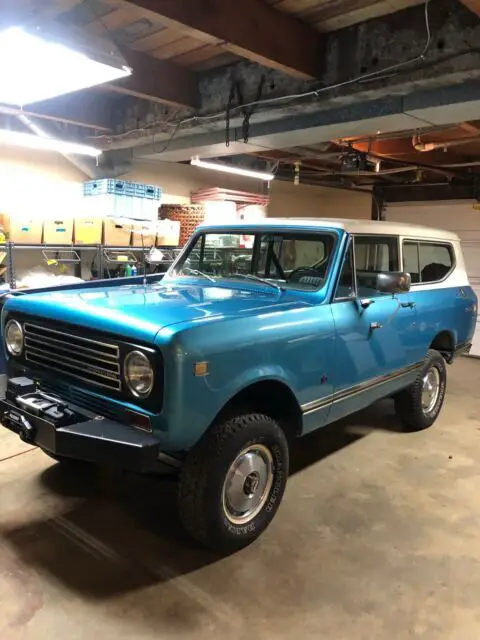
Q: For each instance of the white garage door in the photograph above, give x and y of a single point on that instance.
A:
(459, 217)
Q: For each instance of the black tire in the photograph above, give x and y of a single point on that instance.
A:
(201, 494)
(408, 403)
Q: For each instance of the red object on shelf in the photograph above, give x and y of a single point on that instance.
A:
(239, 197)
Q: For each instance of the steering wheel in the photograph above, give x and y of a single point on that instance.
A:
(301, 272)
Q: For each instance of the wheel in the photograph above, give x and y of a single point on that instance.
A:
(233, 481)
(419, 405)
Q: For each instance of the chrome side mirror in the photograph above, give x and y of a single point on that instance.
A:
(393, 282)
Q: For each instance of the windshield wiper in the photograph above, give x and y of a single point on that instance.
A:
(196, 272)
(251, 276)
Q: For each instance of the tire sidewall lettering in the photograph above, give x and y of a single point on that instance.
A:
(271, 505)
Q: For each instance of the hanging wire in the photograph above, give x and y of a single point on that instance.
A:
(366, 77)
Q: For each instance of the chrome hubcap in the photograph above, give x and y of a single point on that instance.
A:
(430, 389)
(248, 484)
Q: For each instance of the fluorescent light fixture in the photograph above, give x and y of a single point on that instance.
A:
(237, 171)
(35, 68)
(28, 141)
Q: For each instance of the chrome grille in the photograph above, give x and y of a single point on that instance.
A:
(92, 361)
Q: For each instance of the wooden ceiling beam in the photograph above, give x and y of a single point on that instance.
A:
(157, 81)
(473, 5)
(248, 28)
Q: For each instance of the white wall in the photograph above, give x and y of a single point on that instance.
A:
(38, 184)
(286, 200)
(46, 184)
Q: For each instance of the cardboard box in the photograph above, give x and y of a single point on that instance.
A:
(117, 232)
(142, 236)
(24, 230)
(58, 231)
(5, 224)
(87, 230)
(168, 233)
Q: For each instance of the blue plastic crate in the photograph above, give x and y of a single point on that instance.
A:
(110, 186)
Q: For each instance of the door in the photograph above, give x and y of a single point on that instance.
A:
(460, 217)
(375, 347)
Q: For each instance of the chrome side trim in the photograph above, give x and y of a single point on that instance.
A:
(316, 405)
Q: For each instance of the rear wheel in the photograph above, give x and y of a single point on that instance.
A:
(418, 406)
(233, 481)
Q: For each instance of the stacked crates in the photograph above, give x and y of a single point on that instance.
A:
(122, 199)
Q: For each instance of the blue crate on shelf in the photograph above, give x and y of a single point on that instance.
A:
(110, 186)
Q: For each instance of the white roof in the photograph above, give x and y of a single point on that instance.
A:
(350, 226)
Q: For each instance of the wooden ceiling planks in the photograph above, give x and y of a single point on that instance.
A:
(176, 48)
(330, 15)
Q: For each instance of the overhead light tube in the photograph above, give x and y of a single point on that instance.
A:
(237, 171)
(37, 65)
(28, 141)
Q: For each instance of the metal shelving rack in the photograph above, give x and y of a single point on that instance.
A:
(10, 248)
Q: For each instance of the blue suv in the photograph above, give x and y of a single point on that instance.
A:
(259, 333)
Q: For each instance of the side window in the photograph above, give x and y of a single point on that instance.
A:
(427, 261)
(436, 260)
(346, 281)
(374, 255)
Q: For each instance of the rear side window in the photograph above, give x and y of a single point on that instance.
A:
(427, 261)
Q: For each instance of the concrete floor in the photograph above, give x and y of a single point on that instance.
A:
(378, 537)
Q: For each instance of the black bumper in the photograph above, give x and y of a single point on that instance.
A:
(91, 438)
(463, 349)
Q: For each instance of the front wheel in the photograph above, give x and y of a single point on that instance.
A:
(418, 406)
(233, 481)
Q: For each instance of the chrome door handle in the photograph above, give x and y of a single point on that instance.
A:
(375, 325)
(366, 302)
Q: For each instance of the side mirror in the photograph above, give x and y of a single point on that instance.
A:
(393, 282)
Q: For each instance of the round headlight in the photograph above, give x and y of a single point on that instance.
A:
(139, 374)
(14, 337)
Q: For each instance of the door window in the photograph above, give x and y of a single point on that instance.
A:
(374, 255)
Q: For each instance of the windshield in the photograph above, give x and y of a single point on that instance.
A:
(290, 259)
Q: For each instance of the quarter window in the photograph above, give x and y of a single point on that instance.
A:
(427, 261)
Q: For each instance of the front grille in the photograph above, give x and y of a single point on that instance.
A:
(92, 361)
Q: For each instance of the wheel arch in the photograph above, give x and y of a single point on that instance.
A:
(445, 342)
(270, 396)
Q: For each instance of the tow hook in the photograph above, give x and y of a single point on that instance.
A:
(27, 431)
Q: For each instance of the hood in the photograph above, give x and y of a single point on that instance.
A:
(139, 312)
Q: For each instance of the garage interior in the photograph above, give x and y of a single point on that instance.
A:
(358, 109)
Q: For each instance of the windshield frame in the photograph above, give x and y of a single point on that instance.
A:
(258, 231)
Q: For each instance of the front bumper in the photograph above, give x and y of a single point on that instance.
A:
(68, 431)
